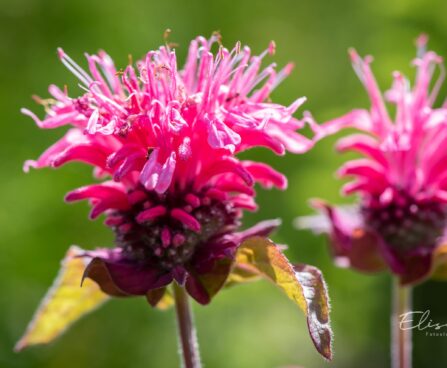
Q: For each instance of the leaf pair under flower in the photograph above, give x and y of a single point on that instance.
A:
(257, 257)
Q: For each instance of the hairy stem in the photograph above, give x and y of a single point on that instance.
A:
(401, 336)
(186, 331)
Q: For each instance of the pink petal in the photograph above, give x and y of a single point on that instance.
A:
(99, 191)
(221, 136)
(155, 176)
(363, 144)
(265, 175)
(186, 219)
(166, 174)
(73, 136)
(365, 168)
(151, 213)
(226, 165)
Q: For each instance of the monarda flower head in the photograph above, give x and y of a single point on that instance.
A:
(402, 179)
(163, 142)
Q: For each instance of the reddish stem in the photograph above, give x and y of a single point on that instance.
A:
(401, 339)
(187, 332)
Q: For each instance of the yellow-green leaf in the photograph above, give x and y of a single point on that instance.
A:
(303, 284)
(65, 302)
(241, 274)
(166, 302)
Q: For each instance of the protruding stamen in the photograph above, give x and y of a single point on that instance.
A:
(71, 65)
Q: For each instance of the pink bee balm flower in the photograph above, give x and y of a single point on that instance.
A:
(402, 179)
(163, 143)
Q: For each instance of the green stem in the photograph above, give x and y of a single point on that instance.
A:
(187, 333)
(401, 341)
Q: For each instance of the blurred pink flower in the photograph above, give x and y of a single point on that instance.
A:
(163, 143)
(402, 179)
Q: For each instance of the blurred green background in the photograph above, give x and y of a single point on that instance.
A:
(249, 326)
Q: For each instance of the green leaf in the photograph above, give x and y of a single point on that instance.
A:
(440, 263)
(166, 302)
(65, 302)
(303, 284)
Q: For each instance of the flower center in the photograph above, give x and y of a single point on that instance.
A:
(167, 229)
(407, 223)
